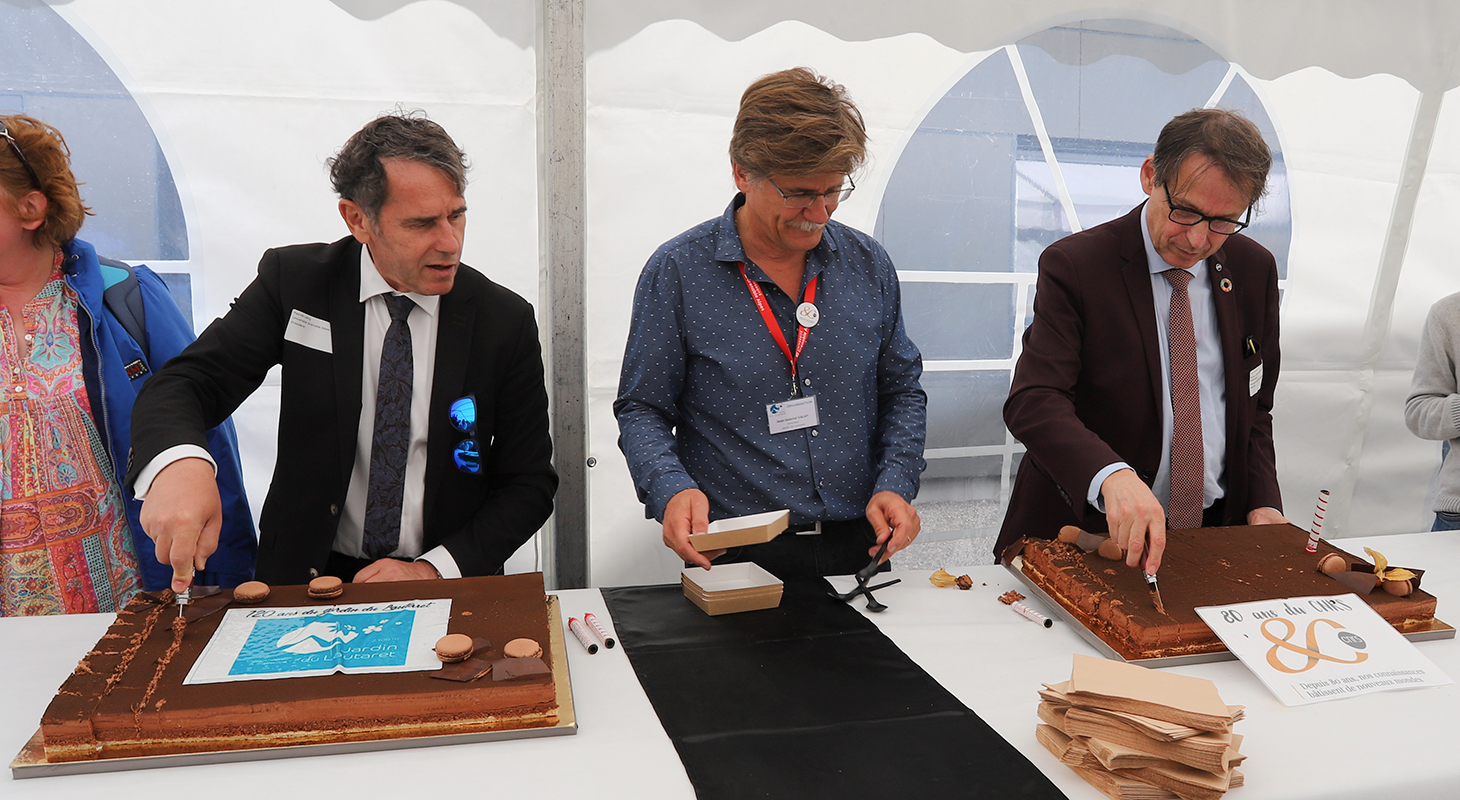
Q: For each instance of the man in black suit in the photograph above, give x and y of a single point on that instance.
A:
(413, 423)
(1093, 397)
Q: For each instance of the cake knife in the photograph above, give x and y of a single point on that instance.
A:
(1155, 590)
(186, 595)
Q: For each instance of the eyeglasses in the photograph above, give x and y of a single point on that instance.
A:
(805, 199)
(20, 154)
(1190, 216)
(468, 455)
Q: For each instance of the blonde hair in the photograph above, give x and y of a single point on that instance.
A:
(796, 122)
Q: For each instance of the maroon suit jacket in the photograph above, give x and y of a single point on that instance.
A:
(1087, 389)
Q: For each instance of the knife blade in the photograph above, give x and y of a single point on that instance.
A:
(1155, 590)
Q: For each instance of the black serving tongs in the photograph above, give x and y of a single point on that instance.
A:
(864, 575)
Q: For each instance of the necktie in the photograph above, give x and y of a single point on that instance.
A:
(392, 433)
(1187, 463)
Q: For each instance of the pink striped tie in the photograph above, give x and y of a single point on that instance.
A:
(1187, 463)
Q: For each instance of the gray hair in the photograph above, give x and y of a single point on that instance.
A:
(357, 171)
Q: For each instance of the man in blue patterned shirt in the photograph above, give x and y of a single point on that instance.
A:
(767, 364)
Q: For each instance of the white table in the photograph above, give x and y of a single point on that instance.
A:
(988, 656)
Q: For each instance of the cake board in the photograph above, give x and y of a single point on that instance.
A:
(1437, 630)
(31, 761)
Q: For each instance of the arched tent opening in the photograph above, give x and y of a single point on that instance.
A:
(52, 73)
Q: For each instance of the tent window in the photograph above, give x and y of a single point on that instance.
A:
(1033, 142)
(50, 72)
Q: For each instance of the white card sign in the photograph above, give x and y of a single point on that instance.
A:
(266, 643)
(1311, 649)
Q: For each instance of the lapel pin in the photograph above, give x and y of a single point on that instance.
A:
(1226, 285)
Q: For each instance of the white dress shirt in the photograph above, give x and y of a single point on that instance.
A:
(1211, 381)
(349, 536)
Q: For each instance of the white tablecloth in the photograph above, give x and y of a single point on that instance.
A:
(1391, 744)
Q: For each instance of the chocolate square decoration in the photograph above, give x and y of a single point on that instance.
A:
(508, 668)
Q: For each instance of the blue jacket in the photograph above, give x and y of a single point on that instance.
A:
(116, 365)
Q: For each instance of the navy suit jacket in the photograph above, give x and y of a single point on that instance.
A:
(486, 346)
(1087, 388)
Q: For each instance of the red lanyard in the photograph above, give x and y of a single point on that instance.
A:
(802, 332)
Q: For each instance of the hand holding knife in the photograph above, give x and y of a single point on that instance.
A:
(1095, 542)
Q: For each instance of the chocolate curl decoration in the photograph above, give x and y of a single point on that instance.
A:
(1316, 532)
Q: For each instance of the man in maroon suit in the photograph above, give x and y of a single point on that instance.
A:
(1167, 307)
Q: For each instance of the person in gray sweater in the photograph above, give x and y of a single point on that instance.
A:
(1432, 410)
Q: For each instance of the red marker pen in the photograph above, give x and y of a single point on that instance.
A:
(584, 638)
(598, 630)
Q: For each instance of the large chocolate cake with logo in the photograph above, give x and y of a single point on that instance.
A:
(1200, 567)
(127, 696)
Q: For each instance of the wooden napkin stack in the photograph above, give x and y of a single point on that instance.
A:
(1142, 734)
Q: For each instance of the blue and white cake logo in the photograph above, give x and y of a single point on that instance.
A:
(310, 644)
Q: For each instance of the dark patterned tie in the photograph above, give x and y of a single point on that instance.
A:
(1187, 462)
(392, 433)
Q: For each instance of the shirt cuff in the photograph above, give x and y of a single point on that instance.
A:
(1094, 494)
(893, 481)
(440, 558)
(664, 490)
(179, 452)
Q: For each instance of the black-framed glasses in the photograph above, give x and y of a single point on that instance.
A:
(20, 154)
(468, 454)
(1182, 215)
(805, 199)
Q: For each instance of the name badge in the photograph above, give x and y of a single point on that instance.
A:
(312, 332)
(792, 415)
(1254, 379)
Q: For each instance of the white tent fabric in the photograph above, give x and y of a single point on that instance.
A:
(247, 99)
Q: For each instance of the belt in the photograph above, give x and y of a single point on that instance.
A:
(832, 526)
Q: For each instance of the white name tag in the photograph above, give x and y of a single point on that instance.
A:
(312, 332)
(1254, 379)
(792, 415)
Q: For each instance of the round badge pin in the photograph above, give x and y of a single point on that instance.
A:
(807, 315)
(1226, 285)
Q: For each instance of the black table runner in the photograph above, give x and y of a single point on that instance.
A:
(807, 700)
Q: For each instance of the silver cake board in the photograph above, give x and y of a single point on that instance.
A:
(1437, 630)
(31, 761)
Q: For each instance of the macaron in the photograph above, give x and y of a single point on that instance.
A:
(326, 586)
(251, 592)
(454, 647)
(1110, 550)
(522, 648)
(1331, 563)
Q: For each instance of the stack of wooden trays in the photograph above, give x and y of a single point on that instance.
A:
(731, 588)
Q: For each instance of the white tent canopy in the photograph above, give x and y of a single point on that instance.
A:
(245, 100)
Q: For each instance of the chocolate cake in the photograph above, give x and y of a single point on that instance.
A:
(1200, 567)
(127, 697)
